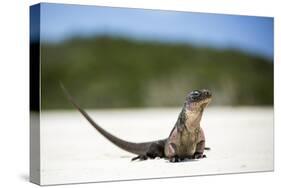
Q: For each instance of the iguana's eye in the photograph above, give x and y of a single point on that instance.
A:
(195, 93)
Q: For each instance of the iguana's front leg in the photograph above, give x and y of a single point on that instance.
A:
(200, 147)
(199, 153)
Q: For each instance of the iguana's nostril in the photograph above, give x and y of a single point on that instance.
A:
(207, 93)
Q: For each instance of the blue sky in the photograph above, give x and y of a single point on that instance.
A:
(247, 33)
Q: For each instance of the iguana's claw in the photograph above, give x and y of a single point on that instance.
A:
(140, 157)
(174, 159)
(199, 156)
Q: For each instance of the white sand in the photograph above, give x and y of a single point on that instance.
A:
(241, 140)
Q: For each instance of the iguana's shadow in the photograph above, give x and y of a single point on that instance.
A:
(184, 161)
(167, 161)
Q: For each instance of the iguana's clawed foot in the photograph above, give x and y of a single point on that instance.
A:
(198, 155)
(140, 157)
(175, 159)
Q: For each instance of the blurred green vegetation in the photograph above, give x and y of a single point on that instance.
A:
(106, 72)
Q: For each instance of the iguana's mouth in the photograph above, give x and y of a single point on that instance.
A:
(207, 97)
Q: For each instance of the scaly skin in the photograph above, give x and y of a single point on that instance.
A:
(185, 141)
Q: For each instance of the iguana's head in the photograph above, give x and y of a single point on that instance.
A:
(199, 99)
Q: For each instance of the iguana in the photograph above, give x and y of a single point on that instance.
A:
(185, 141)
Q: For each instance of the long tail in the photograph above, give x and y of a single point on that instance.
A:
(136, 148)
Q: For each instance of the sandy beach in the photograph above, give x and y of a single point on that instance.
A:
(72, 151)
